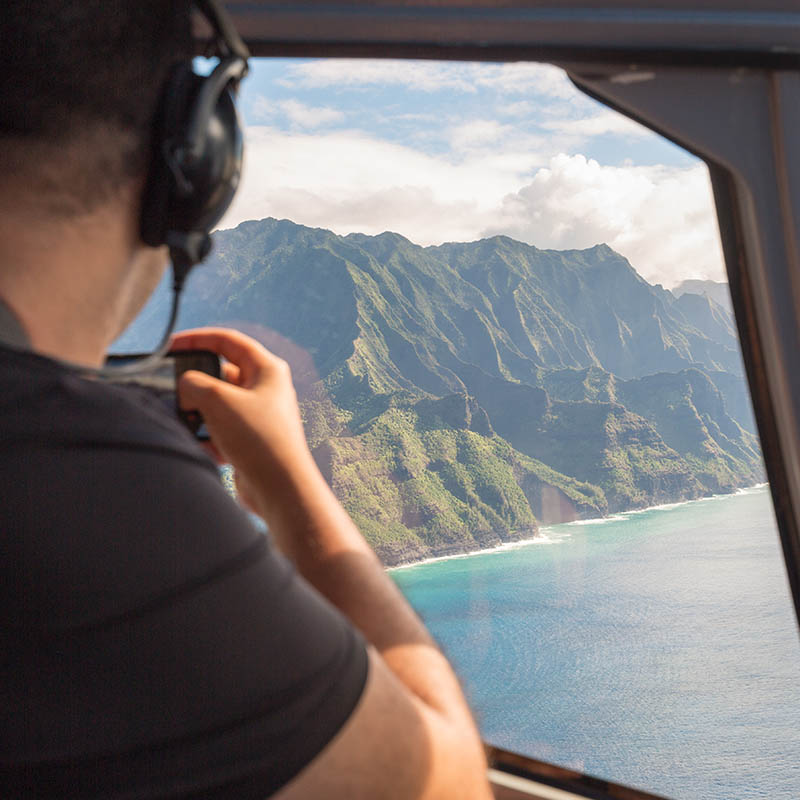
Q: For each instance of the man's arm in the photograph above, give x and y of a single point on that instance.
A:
(412, 734)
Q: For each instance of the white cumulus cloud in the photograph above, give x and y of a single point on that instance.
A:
(350, 181)
(661, 218)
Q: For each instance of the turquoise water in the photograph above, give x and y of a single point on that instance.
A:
(657, 649)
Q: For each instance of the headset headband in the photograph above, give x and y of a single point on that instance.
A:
(232, 68)
(227, 40)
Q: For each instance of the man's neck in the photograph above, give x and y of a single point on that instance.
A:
(74, 285)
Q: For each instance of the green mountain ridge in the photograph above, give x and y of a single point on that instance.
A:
(458, 396)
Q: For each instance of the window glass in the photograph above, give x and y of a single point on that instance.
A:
(506, 312)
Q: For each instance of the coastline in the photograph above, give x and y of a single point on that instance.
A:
(542, 537)
(538, 539)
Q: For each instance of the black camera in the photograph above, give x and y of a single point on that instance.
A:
(162, 379)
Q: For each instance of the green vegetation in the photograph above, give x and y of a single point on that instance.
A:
(417, 485)
(459, 396)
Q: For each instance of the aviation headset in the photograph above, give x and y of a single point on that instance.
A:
(195, 164)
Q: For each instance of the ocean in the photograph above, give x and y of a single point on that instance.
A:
(657, 648)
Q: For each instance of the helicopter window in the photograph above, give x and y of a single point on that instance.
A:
(506, 313)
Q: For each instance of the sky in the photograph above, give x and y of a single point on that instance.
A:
(457, 151)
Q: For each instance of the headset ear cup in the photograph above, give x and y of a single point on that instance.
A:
(193, 176)
(213, 172)
(169, 122)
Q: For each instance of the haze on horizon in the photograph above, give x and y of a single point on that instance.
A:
(450, 151)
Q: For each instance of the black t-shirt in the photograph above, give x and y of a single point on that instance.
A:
(152, 642)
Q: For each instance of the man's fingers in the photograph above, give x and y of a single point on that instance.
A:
(198, 391)
(231, 373)
(237, 347)
(228, 343)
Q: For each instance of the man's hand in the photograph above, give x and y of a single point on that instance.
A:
(252, 416)
(412, 734)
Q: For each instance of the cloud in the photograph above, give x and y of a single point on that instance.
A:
(489, 178)
(520, 108)
(525, 78)
(351, 181)
(413, 211)
(263, 109)
(411, 117)
(360, 73)
(597, 125)
(431, 76)
(297, 113)
(478, 133)
(309, 116)
(661, 218)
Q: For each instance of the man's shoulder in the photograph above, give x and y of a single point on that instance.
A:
(106, 494)
(46, 403)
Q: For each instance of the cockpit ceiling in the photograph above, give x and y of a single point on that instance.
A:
(668, 31)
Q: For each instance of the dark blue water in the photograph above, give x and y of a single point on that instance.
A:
(657, 649)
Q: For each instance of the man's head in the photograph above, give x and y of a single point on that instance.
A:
(80, 82)
(80, 85)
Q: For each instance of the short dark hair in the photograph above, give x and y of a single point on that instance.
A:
(88, 71)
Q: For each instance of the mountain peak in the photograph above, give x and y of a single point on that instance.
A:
(716, 290)
(385, 237)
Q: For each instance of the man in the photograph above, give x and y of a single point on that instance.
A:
(154, 644)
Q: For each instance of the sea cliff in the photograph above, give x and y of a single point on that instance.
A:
(457, 397)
